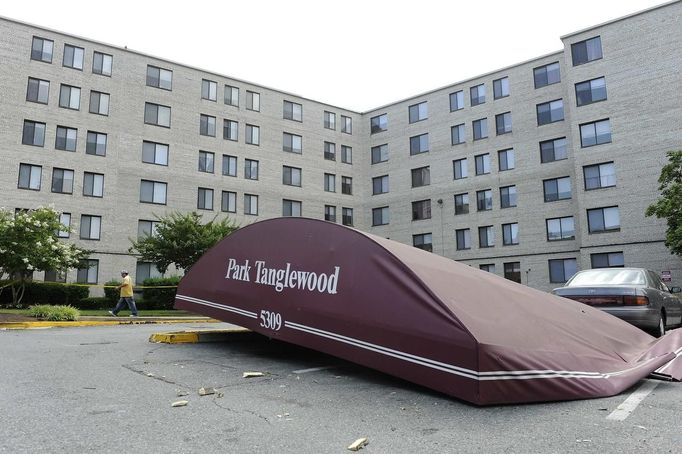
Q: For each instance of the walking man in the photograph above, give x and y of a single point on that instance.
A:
(126, 289)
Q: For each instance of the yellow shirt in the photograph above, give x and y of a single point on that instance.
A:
(127, 289)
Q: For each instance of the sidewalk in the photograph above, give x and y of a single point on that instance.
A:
(105, 321)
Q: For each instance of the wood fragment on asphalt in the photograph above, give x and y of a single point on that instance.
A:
(358, 444)
(252, 374)
(206, 391)
(182, 393)
(180, 403)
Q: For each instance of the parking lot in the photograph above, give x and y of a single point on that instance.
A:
(108, 389)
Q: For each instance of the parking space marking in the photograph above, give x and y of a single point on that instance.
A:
(313, 369)
(626, 408)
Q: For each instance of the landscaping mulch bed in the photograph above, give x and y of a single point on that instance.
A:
(14, 318)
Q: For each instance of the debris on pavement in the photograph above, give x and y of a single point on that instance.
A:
(252, 374)
(358, 444)
(180, 403)
(182, 393)
(206, 391)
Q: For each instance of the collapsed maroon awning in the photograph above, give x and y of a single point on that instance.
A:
(418, 316)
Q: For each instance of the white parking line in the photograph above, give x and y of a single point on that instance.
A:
(626, 408)
(313, 369)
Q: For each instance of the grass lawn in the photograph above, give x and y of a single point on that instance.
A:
(103, 312)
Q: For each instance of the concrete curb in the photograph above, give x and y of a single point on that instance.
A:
(195, 336)
(108, 322)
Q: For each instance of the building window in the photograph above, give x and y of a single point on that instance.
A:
(421, 210)
(330, 213)
(419, 144)
(457, 134)
(146, 270)
(66, 138)
(38, 90)
(484, 200)
(205, 199)
(159, 78)
(378, 123)
(155, 153)
(463, 239)
(228, 202)
(508, 196)
(347, 216)
(93, 184)
(418, 112)
(291, 208)
(595, 133)
(486, 236)
(510, 234)
(488, 267)
(55, 276)
(506, 159)
(30, 176)
(62, 181)
(380, 185)
(503, 123)
(346, 125)
(560, 229)
(87, 272)
(460, 168)
(421, 177)
(557, 189)
(501, 88)
(155, 114)
(252, 135)
(99, 103)
(230, 130)
(153, 192)
(231, 96)
(607, 260)
(292, 143)
(70, 97)
(329, 120)
(603, 219)
(482, 164)
(456, 100)
(512, 271)
(380, 216)
(422, 241)
(90, 227)
(380, 153)
(480, 128)
(73, 57)
(291, 176)
(599, 176)
(33, 133)
(102, 64)
(229, 165)
(550, 112)
(462, 203)
(347, 185)
(586, 51)
(96, 143)
(293, 111)
(561, 270)
(553, 150)
(330, 182)
(590, 91)
(146, 228)
(252, 101)
(206, 125)
(206, 161)
(209, 90)
(477, 94)
(346, 154)
(251, 204)
(330, 151)
(250, 169)
(547, 75)
(41, 49)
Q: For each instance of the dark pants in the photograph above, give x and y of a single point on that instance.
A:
(122, 302)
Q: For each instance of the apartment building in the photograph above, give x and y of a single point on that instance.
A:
(532, 172)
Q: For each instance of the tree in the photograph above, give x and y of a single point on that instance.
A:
(181, 239)
(28, 243)
(669, 205)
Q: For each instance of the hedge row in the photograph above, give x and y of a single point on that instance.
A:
(46, 293)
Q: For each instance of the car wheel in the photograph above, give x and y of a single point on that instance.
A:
(660, 331)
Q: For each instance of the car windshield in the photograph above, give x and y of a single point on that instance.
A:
(610, 276)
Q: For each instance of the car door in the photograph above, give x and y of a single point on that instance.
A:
(672, 304)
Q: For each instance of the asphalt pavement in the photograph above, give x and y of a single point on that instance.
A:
(108, 389)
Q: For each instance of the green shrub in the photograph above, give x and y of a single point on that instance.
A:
(54, 313)
(159, 298)
(93, 303)
(111, 293)
(38, 292)
(39, 311)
